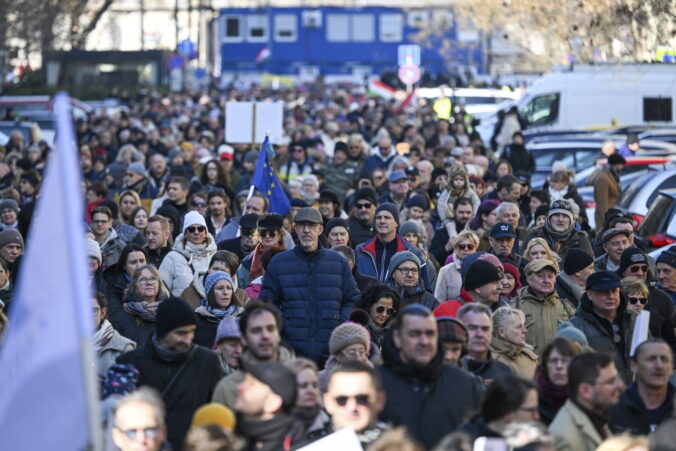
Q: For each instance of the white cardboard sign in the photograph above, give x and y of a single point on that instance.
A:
(240, 122)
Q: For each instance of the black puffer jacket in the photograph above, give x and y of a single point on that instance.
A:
(600, 334)
(431, 401)
(630, 415)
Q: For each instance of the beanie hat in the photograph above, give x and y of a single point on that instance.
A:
(348, 334)
(438, 172)
(213, 278)
(567, 330)
(193, 218)
(93, 249)
(280, 379)
(576, 260)
(214, 413)
(227, 328)
(481, 273)
(9, 203)
(172, 313)
(410, 226)
(30, 177)
(631, 256)
(401, 257)
(137, 167)
(336, 222)
(616, 158)
(510, 268)
(390, 207)
(467, 262)
(10, 236)
(562, 206)
(451, 329)
(542, 210)
(668, 256)
(417, 201)
(340, 146)
(366, 194)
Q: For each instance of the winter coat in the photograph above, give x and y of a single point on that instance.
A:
(281, 432)
(207, 323)
(431, 401)
(415, 295)
(606, 192)
(485, 371)
(567, 289)
(359, 232)
(315, 292)
(111, 249)
(661, 310)
(519, 157)
(573, 430)
(179, 266)
(133, 326)
(226, 391)
(184, 396)
(116, 346)
(520, 359)
(341, 177)
(377, 160)
(600, 334)
(664, 437)
(630, 414)
(577, 240)
(116, 283)
(449, 281)
(365, 255)
(543, 316)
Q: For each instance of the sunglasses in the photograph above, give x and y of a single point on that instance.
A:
(465, 247)
(199, 204)
(364, 205)
(390, 311)
(198, 229)
(635, 300)
(268, 233)
(637, 268)
(361, 400)
(132, 434)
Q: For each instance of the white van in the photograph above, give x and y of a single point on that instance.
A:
(599, 97)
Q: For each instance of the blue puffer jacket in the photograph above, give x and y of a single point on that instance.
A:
(315, 292)
(365, 256)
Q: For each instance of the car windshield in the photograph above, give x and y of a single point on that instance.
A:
(628, 195)
(660, 211)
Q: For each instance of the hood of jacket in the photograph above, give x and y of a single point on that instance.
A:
(502, 346)
(197, 250)
(408, 372)
(527, 295)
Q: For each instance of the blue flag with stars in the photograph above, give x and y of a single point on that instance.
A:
(265, 180)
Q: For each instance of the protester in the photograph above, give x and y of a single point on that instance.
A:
(102, 229)
(607, 186)
(404, 276)
(578, 265)
(362, 218)
(141, 411)
(509, 342)
(449, 281)
(348, 342)
(228, 342)
(453, 339)
(559, 230)
(308, 408)
(219, 302)
(666, 271)
(382, 304)
(271, 236)
(108, 343)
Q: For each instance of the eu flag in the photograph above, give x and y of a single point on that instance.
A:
(265, 180)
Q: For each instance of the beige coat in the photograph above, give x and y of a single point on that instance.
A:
(606, 193)
(573, 430)
(521, 359)
(543, 316)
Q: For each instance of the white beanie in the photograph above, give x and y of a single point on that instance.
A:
(193, 218)
(93, 248)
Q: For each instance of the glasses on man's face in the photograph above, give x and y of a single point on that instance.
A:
(361, 400)
(268, 233)
(407, 270)
(198, 229)
(365, 205)
(133, 434)
(390, 311)
(634, 300)
(146, 280)
(465, 247)
(636, 268)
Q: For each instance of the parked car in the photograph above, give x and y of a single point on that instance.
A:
(638, 197)
(634, 165)
(658, 227)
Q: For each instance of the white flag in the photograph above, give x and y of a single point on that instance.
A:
(46, 374)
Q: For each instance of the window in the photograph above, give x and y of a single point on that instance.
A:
(257, 28)
(232, 29)
(363, 28)
(391, 27)
(670, 182)
(285, 28)
(657, 109)
(542, 110)
(337, 28)
(585, 158)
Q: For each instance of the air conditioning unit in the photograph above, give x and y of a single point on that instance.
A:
(312, 19)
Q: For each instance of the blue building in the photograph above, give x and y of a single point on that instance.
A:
(342, 41)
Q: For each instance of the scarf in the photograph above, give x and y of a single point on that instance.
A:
(256, 260)
(555, 394)
(559, 236)
(146, 310)
(306, 415)
(167, 355)
(102, 336)
(219, 313)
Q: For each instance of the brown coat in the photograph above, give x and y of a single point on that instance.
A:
(606, 193)
(521, 359)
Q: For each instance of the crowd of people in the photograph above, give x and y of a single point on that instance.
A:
(418, 291)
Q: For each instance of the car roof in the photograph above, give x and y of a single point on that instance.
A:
(671, 192)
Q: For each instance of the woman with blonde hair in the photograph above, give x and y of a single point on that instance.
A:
(509, 342)
(539, 248)
(449, 280)
(308, 408)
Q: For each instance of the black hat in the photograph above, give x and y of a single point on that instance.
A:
(503, 230)
(668, 257)
(326, 195)
(603, 280)
(249, 221)
(340, 146)
(576, 260)
(172, 313)
(631, 256)
(336, 222)
(481, 273)
(542, 210)
(280, 379)
(417, 201)
(616, 158)
(523, 177)
(412, 171)
(437, 172)
(366, 194)
(270, 221)
(389, 207)
(295, 202)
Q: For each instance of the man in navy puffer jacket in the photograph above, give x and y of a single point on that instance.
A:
(312, 286)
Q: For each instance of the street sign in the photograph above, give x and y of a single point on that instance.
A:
(408, 54)
(409, 74)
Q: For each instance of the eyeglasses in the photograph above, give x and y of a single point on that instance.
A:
(268, 233)
(465, 247)
(198, 229)
(247, 232)
(637, 268)
(634, 300)
(198, 204)
(145, 280)
(407, 270)
(364, 205)
(132, 434)
(361, 400)
(390, 311)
